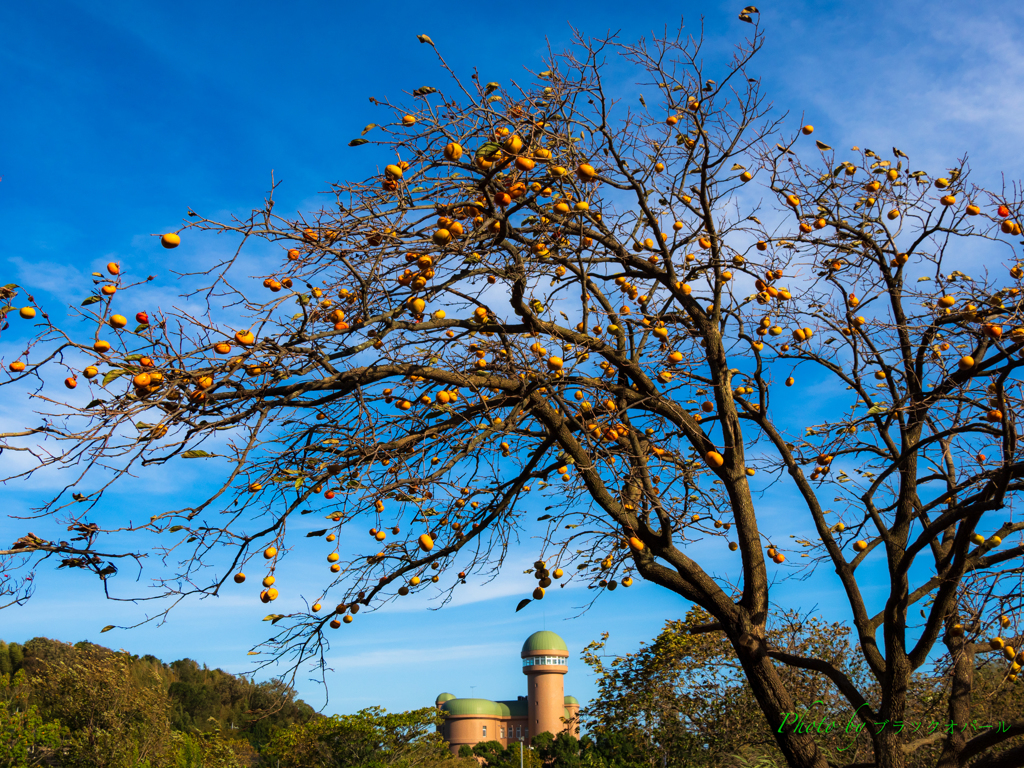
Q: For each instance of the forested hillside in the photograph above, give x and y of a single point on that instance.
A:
(101, 707)
(86, 706)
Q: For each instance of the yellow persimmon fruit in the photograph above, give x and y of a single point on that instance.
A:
(586, 172)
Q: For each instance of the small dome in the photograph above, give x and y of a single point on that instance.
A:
(442, 698)
(570, 700)
(544, 641)
(483, 707)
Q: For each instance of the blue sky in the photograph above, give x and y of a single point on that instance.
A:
(119, 116)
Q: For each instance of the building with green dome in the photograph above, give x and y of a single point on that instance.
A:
(545, 707)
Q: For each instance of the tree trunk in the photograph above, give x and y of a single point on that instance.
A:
(959, 703)
(799, 749)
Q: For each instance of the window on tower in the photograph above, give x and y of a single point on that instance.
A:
(519, 731)
(543, 661)
(503, 731)
(485, 731)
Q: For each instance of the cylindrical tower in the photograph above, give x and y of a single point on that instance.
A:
(545, 658)
(572, 710)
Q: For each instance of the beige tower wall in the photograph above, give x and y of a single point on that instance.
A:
(574, 714)
(546, 691)
(514, 723)
(469, 730)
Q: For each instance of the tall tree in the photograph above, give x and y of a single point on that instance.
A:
(371, 737)
(113, 721)
(17, 656)
(561, 751)
(26, 740)
(545, 291)
(682, 700)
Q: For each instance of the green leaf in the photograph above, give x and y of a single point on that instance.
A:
(94, 403)
(114, 374)
(311, 534)
(543, 517)
(107, 628)
(175, 528)
(368, 128)
(196, 454)
(141, 327)
(487, 149)
(274, 617)
(91, 300)
(522, 604)
(357, 142)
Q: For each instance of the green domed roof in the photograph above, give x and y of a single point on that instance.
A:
(472, 707)
(570, 700)
(516, 708)
(544, 641)
(444, 697)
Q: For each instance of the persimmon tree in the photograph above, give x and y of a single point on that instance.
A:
(626, 301)
(682, 699)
